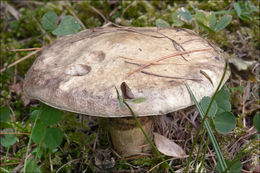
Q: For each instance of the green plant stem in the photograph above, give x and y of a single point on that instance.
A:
(29, 143)
(207, 126)
(8, 148)
(197, 157)
(37, 153)
(4, 169)
(147, 138)
(204, 154)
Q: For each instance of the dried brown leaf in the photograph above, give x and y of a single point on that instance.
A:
(167, 146)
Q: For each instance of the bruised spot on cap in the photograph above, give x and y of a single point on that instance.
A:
(78, 70)
(99, 56)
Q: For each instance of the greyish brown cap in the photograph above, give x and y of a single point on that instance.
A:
(79, 72)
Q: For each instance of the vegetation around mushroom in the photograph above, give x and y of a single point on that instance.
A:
(57, 141)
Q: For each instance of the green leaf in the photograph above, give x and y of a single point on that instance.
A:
(49, 21)
(205, 27)
(212, 20)
(50, 115)
(120, 99)
(34, 115)
(256, 122)
(68, 25)
(176, 21)
(237, 8)
(224, 122)
(53, 138)
(200, 16)
(222, 100)
(223, 22)
(137, 100)
(32, 167)
(8, 140)
(205, 103)
(245, 17)
(185, 14)
(235, 168)
(38, 132)
(161, 23)
(4, 114)
(38, 151)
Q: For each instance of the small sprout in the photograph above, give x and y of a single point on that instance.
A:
(120, 99)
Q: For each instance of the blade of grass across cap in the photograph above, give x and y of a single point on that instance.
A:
(147, 138)
(207, 126)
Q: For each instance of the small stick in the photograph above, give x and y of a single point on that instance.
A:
(19, 60)
(171, 77)
(14, 133)
(100, 14)
(186, 117)
(8, 164)
(11, 158)
(29, 49)
(73, 14)
(154, 63)
(167, 56)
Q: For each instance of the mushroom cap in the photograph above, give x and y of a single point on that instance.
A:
(79, 72)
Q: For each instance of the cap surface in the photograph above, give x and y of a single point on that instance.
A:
(79, 72)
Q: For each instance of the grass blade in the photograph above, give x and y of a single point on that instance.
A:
(204, 154)
(201, 143)
(29, 144)
(207, 126)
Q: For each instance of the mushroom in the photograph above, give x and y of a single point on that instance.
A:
(79, 73)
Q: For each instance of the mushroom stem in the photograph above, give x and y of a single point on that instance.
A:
(128, 138)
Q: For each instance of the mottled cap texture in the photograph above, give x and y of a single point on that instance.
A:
(79, 72)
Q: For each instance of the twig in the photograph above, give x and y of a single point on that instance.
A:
(113, 11)
(67, 164)
(168, 56)
(137, 156)
(125, 9)
(11, 158)
(8, 164)
(161, 63)
(160, 164)
(20, 60)
(155, 63)
(12, 11)
(186, 117)
(29, 49)
(171, 77)
(175, 44)
(39, 25)
(99, 13)
(51, 165)
(14, 133)
(73, 14)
